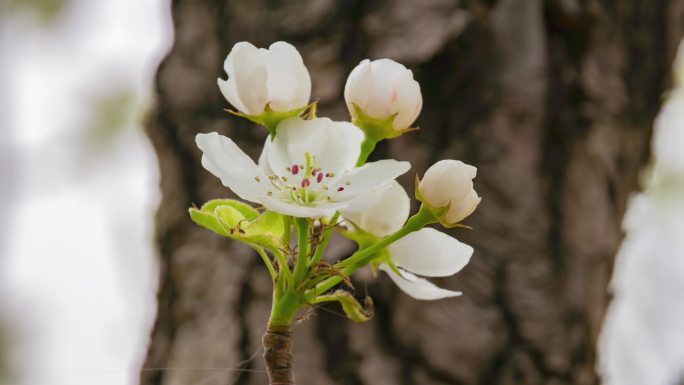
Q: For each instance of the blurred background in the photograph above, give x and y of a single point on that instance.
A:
(579, 263)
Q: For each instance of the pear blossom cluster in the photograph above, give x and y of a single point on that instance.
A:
(312, 178)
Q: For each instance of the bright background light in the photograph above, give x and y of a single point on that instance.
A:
(77, 271)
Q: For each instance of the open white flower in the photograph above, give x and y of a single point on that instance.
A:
(306, 171)
(429, 253)
(450, 183)
(257, 77)
(382, 88)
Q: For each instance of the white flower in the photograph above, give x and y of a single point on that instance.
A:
(388, 211)
(450, 182)
(259, 77)
(306, 171)
(429, 253)
(382, 88)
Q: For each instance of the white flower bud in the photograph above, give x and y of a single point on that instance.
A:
(383, 88)
(450, 183)
(259, 77)
(383, 212)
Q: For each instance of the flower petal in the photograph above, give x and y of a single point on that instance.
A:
(417, 287)
(358, 87)
(295, 210)
(336, 145)
(289, 83)
(407, 102)
(430, 253)
(247, 78)
(387, 213)
(366, 177)
(385, 73)
(237, 171)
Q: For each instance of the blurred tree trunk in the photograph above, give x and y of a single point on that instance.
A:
(552, 101)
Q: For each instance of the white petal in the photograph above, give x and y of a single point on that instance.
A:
(385, 73)
(295, 210)
(366, 177)
(430, 253)
(458, 212)
(417, 287)
(407, 102)
(247, 76)
(289, 83)
(387, 214)
(336, 145)
(227, 88)
(358, 87)
(237, 171)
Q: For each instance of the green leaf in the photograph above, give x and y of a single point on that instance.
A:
(240, 221)
(249, 212)
(208, 221)
(354, 310)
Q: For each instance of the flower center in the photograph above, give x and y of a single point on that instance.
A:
(304, 184)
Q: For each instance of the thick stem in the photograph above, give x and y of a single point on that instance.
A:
(277, 342)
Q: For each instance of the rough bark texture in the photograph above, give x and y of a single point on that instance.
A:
(552, 101)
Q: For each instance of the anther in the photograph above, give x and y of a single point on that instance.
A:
(295, 169)
(256, 178)
(340, 189)
(347, 183)
(269, 193)
(319, 177)
(284, 178)
(330, 174)
(305, 182)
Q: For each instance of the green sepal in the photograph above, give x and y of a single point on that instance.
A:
(271, 119)
(354, 310)
(376, 129)
(361, 237)
(239, 221)
(439, 213)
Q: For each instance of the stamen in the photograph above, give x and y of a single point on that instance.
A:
(269, 193)
(347, 183)
(319, 177)
(306, 183)
(284, 178)
(330, 174)
(295, 169)
(287, 169)
(256, 178)
(307, 172)
(340, 188)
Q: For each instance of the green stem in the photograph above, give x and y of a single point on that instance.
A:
(367, 147)
(267, 262)
(283, 310)
(320, 248)
(284, 270)
(303, 250)
(362, 257)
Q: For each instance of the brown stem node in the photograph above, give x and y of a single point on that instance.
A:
(278, 356)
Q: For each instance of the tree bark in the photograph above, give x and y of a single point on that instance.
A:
(553, 101)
